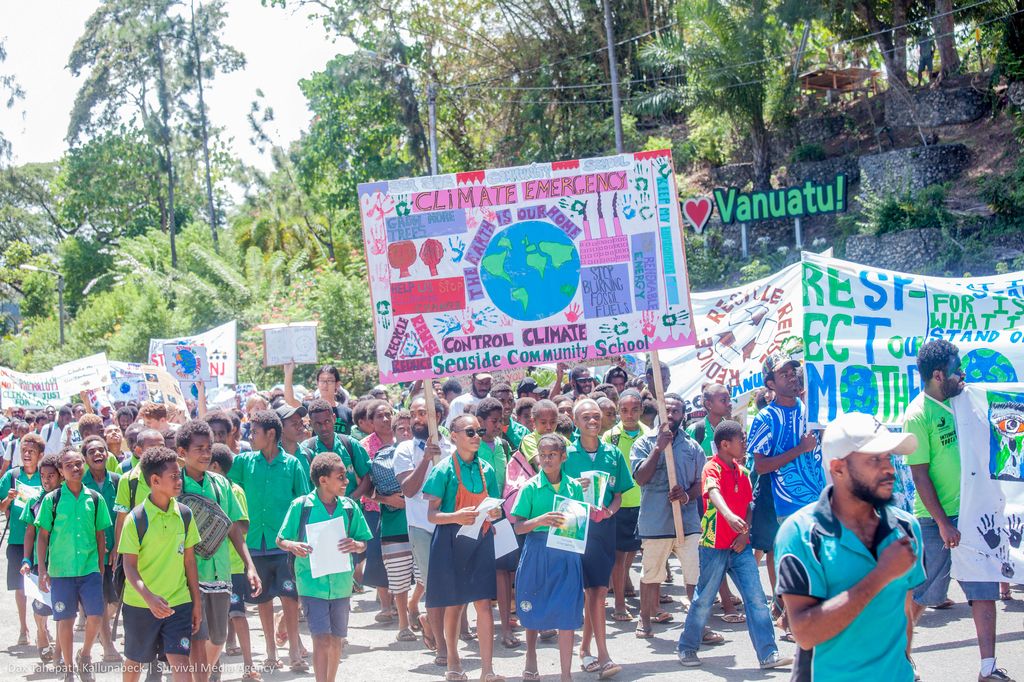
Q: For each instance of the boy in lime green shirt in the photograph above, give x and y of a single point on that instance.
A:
(325, 599)
(161, 594)
(72, 551)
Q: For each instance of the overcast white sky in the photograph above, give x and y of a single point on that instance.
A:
(280, 46)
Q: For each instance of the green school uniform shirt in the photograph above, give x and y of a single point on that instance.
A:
(497, 455)
(215, 572)
(537, 497)
(29, 488)
(357, 463)
(708, 444)
(128, 464)
(937, 446)
(109, 492)
(237, 565)
(515, 433)
(443, 484)
(123, 502)
(623, 440)
(73, 527)
(305, 457)
(335, 585)
(28, 518)
(607, 459)
(113, 464)
(269, 488)
(161, 554)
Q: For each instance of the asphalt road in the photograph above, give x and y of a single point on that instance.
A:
(944, 648)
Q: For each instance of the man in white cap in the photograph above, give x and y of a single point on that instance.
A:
(848, 564)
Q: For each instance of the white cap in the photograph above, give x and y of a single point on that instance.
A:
(859, 432)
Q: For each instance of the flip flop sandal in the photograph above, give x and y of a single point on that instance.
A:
(589, 664)
(609, 670)
(233, 651)
(643, 633)
(406, 635)
(663, 617)
(736, 601)
(112, 657)
(788, 637)
(467, 636)
(272, 664)
(493, 677)
(441, 661)
(384, 617)
(733, 617)
(455, 676)
(23, 639)
(531, 676)
(948, 604)
(665, 599)
(299, 666)
(281, 638)
(46, 653)
(252, 675)
(511, 642)
(547, 635)
(712, 638)
(622, 616)
(414, 621)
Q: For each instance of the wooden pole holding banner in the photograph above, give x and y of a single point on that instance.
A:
(428, 396)
(670, 464)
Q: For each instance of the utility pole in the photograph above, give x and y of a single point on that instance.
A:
(432, 115)
(613, 71)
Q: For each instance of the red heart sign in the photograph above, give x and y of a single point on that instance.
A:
(698, 212)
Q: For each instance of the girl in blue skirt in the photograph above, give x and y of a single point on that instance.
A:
(549, 582)
(587, 454)
(462, 569)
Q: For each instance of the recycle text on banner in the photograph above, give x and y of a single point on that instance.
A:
(990, 423)
(737, 329)
(221, 345)
(494, 269)
(863, 327)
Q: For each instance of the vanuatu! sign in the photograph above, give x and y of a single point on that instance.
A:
(500, 268)
(808, 199)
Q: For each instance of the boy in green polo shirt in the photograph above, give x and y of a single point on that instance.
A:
(98, 478)
(325, 600)
(194, 440)
(72, 550)
(161, 594)
(49, 479)
(271, 479)
(19, 485)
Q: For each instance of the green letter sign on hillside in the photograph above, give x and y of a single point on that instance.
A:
(789, 202)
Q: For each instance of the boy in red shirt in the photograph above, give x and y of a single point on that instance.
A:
(725, 548)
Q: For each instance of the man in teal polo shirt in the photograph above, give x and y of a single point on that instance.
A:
(271, 479)
(848, 564)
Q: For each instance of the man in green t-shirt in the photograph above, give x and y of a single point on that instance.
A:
(935, 466)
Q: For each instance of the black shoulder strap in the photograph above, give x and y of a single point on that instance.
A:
(186, 516)
(346, 441)
(115, 478)
(15, 472)
(133, 489)
(141, 520)
(308, 508)
(56, 501)
(615, 438)
(700, 431)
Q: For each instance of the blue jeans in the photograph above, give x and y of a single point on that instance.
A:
(714, 564)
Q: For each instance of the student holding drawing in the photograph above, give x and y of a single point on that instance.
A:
(549, 581)
(462, 570)
(600, 465)
(17, 486)
(325, 598)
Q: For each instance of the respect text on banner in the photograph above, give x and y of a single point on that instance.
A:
(495, 269)
(863, 327)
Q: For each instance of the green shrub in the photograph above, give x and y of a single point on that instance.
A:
(886, 213)
(807, 152)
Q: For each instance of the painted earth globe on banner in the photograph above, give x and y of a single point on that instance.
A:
(187, 360)
(985, 365)
(531, 270)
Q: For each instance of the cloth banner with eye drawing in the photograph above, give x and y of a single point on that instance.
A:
(501, 268)
(990, 428)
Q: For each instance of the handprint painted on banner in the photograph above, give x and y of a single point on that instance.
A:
(675, 317)
(572, 313)
(648, 329)
(376, 207)
(382, 273)
(613, 330)
(646, 212)
(640, 182)
(411, 349)
(504, 321)
(1014, 530)
(403, 207)
(575, 206)
(988, 531)
(446, 325)
(1007, 563)
(458, 248)
(485, 318)
(384, 310)
(468, 326)
(628, 207)
(664, 170)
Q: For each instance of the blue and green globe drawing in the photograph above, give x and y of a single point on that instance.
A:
(988, 366)
(858, 390)
(531, 270)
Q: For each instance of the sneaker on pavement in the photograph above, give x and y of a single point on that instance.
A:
(776, 660)
(997, 675)
(688, 659)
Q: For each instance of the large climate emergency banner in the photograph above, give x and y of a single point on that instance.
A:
(863, 327)
(736, 330)
(494, 269)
